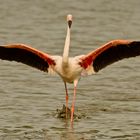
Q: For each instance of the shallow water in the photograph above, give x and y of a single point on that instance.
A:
(109, 102)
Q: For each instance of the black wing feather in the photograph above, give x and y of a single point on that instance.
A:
(24, 56)
(116, 53)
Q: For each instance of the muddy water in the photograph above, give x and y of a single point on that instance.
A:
(109, 102)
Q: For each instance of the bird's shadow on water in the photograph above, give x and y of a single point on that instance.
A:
(68, 130)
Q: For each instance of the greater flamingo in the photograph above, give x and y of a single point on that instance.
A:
(70, 69)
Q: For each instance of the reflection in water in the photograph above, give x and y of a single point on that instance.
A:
(108, 102)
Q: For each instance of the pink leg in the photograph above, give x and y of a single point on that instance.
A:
(73, 102)
(67, 97)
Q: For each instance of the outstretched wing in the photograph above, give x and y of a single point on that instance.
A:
(27, 55)
(111, 52)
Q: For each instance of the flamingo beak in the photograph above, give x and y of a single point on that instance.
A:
(69, 19)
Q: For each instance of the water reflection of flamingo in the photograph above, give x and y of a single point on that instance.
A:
(71, 69)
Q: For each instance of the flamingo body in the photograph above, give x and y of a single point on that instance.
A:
(70, 69)
(69, 72)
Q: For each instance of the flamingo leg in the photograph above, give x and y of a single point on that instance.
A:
(73, 102)
(67, 97)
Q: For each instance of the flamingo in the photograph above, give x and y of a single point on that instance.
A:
(71, 69)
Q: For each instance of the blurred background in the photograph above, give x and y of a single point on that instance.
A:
(108, 102)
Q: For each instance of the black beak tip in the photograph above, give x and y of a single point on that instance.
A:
(69, 23)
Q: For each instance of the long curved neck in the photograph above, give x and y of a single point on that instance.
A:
(65, 58)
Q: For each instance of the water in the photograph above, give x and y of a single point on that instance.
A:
(109, 101)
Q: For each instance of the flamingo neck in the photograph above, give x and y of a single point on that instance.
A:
(65, 58)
